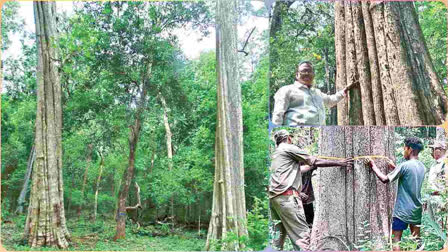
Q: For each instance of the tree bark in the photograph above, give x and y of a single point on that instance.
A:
(229, 205)
(385, 53)
(45, 224)
(168, 146)
(29, 168)
(351, 198)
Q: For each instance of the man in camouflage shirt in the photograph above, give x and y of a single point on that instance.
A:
(284, 187)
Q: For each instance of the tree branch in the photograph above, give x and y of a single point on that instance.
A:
(245, 43)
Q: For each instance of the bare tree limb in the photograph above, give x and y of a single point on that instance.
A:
(247, 40)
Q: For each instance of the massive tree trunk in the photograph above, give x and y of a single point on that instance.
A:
(169, 146)
(29, 168)
(229, 204)
(380, 46)
(128, 174)
(351, 198)
(45, 224)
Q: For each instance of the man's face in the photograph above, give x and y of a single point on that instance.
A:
(437, 153)
(305, 74)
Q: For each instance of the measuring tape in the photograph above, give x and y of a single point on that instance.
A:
(355, 158)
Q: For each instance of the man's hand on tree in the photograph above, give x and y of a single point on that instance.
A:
(347, 88)
(348, 162)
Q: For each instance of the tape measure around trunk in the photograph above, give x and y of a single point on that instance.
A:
(355, 158)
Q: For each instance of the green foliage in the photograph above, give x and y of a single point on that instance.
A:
(432, 18)
(257, 224)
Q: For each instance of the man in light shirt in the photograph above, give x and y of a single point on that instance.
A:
(437, 182)
(300, 103)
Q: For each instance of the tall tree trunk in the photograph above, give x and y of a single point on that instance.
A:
(380, 46)
(169, 146)
(29, 168)
(350, 198)
(84, 181)
(128, 174)
(98, 186)
(45, 224)
(229, 204)
(276, 22)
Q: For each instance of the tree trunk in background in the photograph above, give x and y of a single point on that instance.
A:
(128, 174)
(380, 46)
(169, 146)
(29, 168)
(350, 198)
(45, 224)
(229, 204)
(276, 22)
(95, 210)
(84, 181)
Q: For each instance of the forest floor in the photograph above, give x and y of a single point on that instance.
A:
(89, 235)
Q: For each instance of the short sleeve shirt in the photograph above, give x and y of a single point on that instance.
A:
(285, 168)
(408, 205)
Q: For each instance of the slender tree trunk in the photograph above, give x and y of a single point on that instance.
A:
(84, 181)
(29, 168)
(351, 198)
(45, 224)
(229, 204)
(98, 186)
(385, 53)
(169, 146)
(128, 174)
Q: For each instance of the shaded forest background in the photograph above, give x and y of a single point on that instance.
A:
(103, 52)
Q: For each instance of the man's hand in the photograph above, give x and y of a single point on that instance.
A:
(347, 88)
(390, 164)
(303, 197)
(371, 162)
(348, 162)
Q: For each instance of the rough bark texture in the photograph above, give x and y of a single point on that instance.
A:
(45, 224)
(350, 198)
(380, 46)
(229, 206)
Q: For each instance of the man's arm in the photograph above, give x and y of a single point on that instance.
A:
(281, 104)
(383, 178)
(331, 163)
(332, 100)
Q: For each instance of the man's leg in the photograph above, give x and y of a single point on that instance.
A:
(415, 231)
(290, 211)
(397, 231)
(279, 229)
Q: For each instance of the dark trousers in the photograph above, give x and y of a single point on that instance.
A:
(309, 213)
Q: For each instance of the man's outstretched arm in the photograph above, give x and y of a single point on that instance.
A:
(383, 178)
(331, 163)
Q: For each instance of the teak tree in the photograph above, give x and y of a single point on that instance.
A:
(349, 199)
(229, 204)
(380, 45)
(45, 223)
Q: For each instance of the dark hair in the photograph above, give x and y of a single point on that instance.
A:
(281, 139)
(414, 143)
